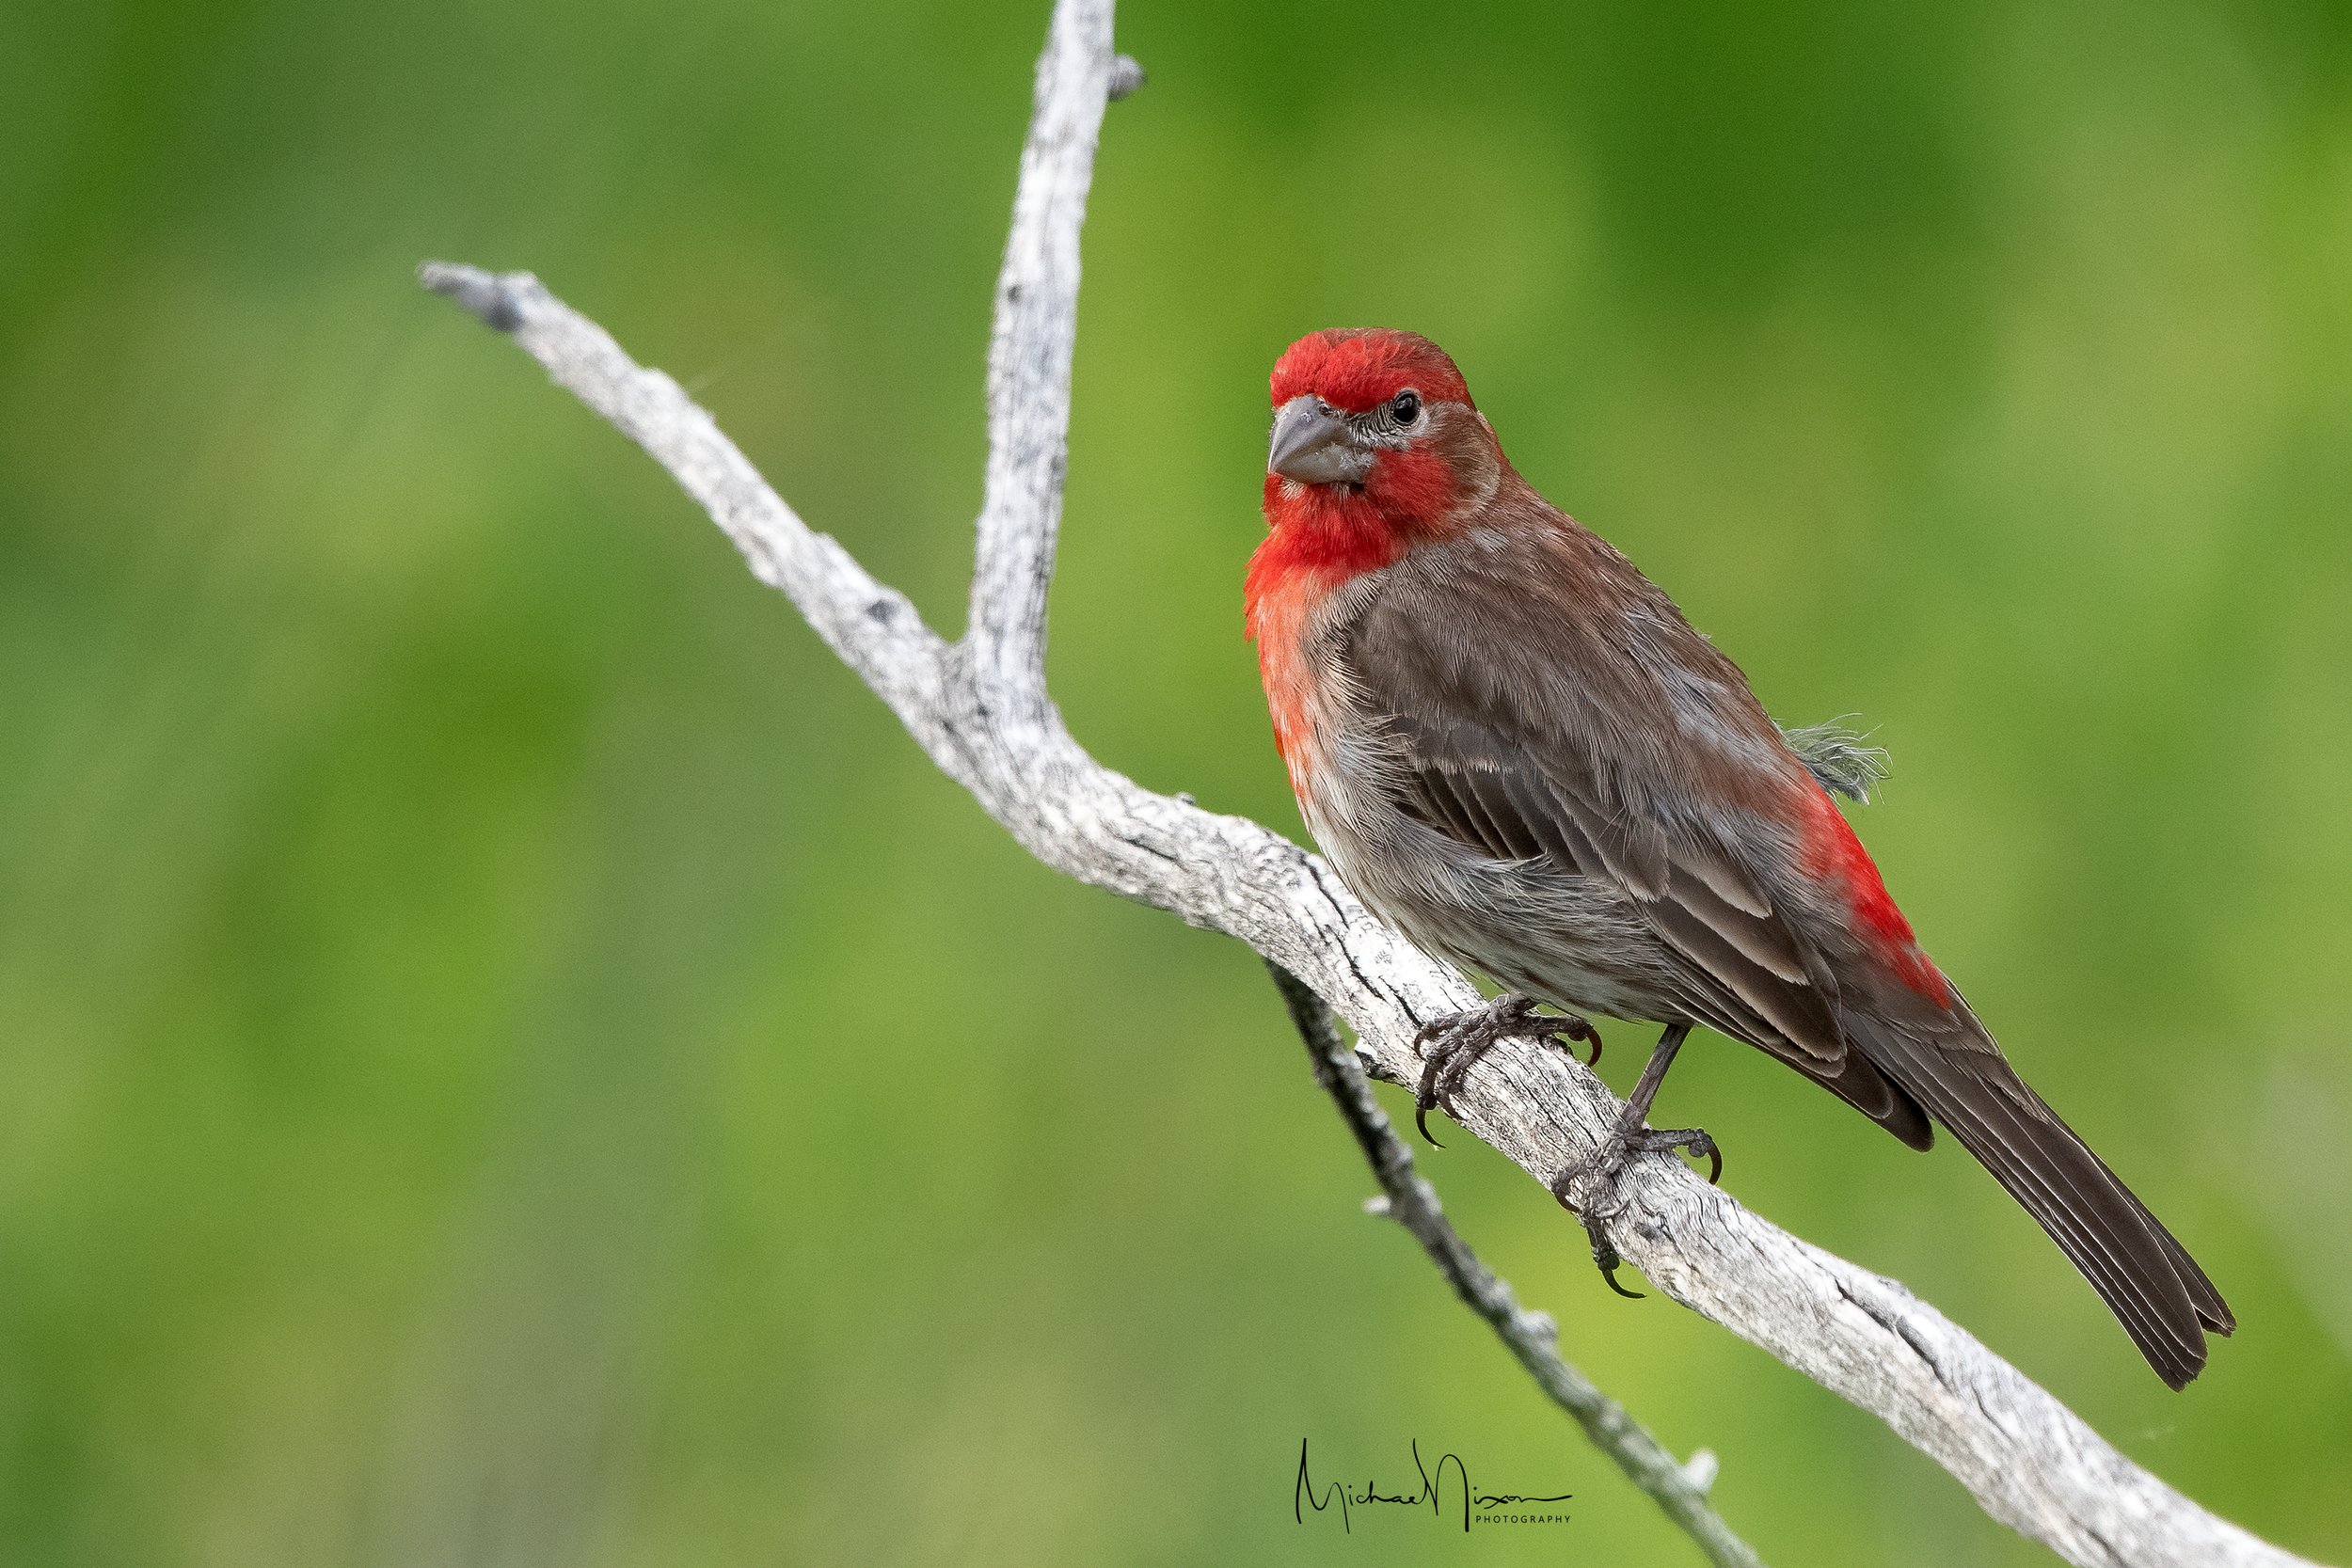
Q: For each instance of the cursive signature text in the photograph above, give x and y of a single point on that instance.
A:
(1447, 1484)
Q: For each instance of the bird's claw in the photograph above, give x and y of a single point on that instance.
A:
(1597, 1176)
(1606, 1259)
(1452, 1044)
(1693, 1140)
(1421, 1102)
(1602, 1168)
(1594, 1218)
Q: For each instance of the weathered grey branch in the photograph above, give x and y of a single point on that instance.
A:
(1533, 1337)
(1029, 354)
(979, 709)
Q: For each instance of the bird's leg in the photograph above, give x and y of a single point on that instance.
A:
(1450, 1046)
(1631, 1137)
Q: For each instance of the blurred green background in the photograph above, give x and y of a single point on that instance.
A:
(510, 1058)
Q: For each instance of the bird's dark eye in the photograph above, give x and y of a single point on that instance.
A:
(1405, 407)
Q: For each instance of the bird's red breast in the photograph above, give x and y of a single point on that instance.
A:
(1318, 545)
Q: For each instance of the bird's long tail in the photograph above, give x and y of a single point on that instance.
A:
(2145, 1275)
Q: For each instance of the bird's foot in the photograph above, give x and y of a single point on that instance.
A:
(1596, 1176)
(1651, 1140)
(1450, 1046)
(1588, 1189)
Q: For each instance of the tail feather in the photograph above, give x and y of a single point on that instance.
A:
(2211, 1309)
(2146, 1277)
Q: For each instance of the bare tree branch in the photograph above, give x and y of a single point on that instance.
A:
(1533, 1337)
(980, 710)
(1029, 354)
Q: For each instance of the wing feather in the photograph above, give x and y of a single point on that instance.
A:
(1577, 721)
(1514, 775)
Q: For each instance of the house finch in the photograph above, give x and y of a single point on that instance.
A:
(1515, 749)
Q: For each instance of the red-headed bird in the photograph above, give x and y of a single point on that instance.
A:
(1515, 749)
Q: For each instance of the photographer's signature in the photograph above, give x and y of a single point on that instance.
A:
(1441, 1488)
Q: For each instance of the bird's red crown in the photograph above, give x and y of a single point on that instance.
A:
(1355, 368)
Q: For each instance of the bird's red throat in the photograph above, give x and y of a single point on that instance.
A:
(1319, 537)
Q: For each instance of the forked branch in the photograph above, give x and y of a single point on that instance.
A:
(979, 709)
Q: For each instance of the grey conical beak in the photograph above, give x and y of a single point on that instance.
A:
(1313, 446)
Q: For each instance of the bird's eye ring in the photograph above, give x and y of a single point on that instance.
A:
(1405, 407)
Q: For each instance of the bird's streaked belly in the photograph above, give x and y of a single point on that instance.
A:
(1562, 938)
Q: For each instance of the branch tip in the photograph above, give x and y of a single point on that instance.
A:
(486, 297)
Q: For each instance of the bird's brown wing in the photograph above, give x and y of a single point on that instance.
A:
(1491, 743)
(1581, 720)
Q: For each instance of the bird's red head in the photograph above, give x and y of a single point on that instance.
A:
(1376, 446)
(1376, 449)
